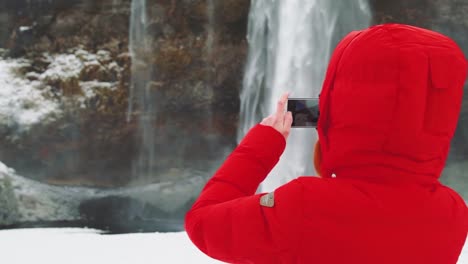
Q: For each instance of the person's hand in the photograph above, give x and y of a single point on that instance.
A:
(281, 121)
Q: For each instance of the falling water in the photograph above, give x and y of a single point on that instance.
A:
(137, 35)
(290, 43)
(210, 29)
(115, 5)
(209, 57)
(140, 93)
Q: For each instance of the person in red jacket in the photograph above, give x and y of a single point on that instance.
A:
(389, 107)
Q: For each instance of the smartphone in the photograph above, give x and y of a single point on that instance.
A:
(305, 111)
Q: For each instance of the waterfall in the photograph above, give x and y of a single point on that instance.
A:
(210, 29)
(115, 4)
(209, 57)
(137, 34)
(139, 47)
(290, 43)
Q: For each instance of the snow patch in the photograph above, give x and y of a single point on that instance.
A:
(80, 246)
(24, 28)
(22, 102)
(5, 170)
(26, 98)
(63, 66)
(89, 90)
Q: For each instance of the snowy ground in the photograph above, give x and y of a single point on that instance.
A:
(86, 246)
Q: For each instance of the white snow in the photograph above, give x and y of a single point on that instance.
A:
(69, 66)
(4, 169)
(464, 255)
(24, 28)
(25, 98)
(87, 246)
(22, 103)
(62, 67)
(90, 87)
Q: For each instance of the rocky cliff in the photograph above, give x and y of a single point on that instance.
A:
(76, 53)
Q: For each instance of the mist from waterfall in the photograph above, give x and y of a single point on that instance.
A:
(162, 145)
(290, 43)
(139, 47)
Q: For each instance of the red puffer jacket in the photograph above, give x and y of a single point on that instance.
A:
(389, 107)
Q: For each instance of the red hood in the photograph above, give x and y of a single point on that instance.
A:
(390, 103)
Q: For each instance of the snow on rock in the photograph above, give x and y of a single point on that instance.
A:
(36, 201)
(26, 97)
(63, 66)
(22, 102)
(84, 69)
(31, 201)
(89, 89)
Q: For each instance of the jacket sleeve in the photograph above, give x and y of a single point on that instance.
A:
(227, 221)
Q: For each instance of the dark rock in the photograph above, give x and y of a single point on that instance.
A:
(123, 214)
(417, 12)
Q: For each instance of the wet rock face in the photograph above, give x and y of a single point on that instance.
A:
(57, 25)
(418, 12)
(123, 214)
(91, 140)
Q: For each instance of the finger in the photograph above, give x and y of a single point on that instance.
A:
(288, 120)
(280, 109)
